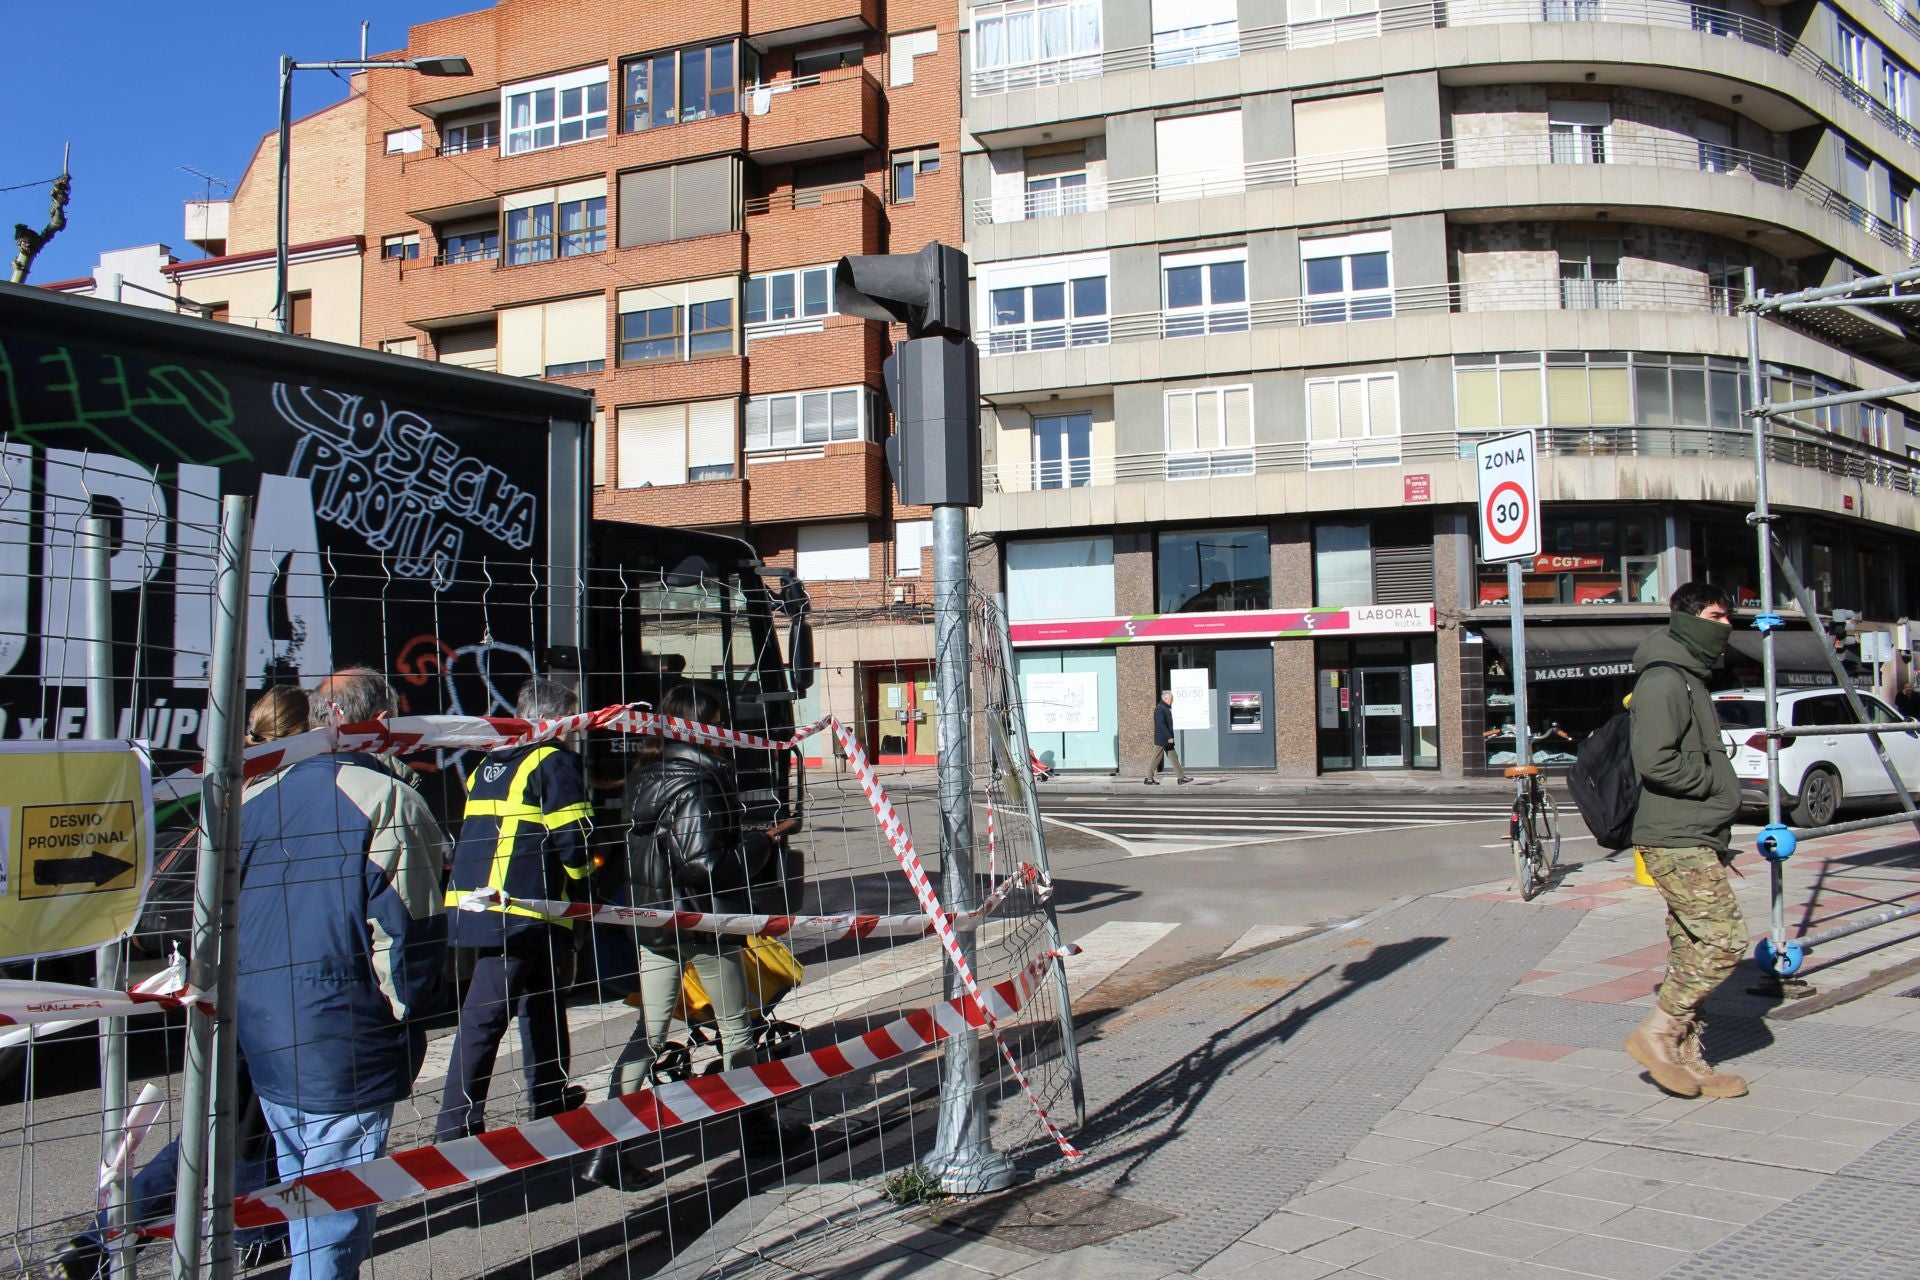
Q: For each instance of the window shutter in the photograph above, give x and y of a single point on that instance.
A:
(1520, 398)
(1353, 413)
(599, 448)
(1323, 411)
(522, 344)
(710, 434)
(1611, 403)
(646, 207)
(576, 330)
(756, 424)
(1567, 397)
(591, 189)
(526, 199)
(653, 445)
(1383, 406)
(1239, 417)
(1180, 422)
(629, 301)
(1403, 575)
(1196, 154)
(706, 199)
(1351, 122)
(814, 406)
(781, 432)
(1476, 398)
(846, 415)
(714, 290)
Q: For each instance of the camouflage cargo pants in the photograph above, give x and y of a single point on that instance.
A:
(1705, 933)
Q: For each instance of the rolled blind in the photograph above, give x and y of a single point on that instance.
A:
(1567, 397)
(1520, 398)
(1238, 410)
(1476, 398)
(1353, 419)
(631, 300)
(1323, 411)
(653, 445)
(814, 408)
(1383, 406)
(522, 344)
(589, 189)
(527, 199)
(712, 290)
(1351, 122)
(576, 330)
(1209, 143)
(646, 207)
(1180, 422)
(706, 197)
(710, 435)
(1611, 401)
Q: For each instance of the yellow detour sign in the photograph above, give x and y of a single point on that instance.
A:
(76, 844)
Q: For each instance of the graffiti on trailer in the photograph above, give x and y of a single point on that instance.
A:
(478, 680)
(389, 476)
(94, 402)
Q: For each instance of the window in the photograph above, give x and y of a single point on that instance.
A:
(910, 538)
(403, 246)
(1044, 304)
(599, 448)
(1343, 137)
(1856, 55)
(1491, 392)
(1342, 565)
(686, 321)
(1716, 145)
(662, 444)
(556, 222)
(810, 418)
(1856, 174)
(475, 241)
(470, 346)
(401, 347)
(678, 86)
(1355, 420)
(1188, 31)
(1566, 389)
(556, 111)
(1896, 88)
(907, 168)
(1577, 131)
(1200, 156)
(1204, 292)
(902, 49)
(403, 141)
(1214, 569)
(1307, 11)
(1063, 451)
(833, 553)
(554, 339)
(300, 313)
(474, 133)
(1348, 277)
(1209, 432)
(1056, 181)
(1027, 33)
(1900, 203)
(679, 201)
(1589, 273)
(1060, 578)
(782, 297)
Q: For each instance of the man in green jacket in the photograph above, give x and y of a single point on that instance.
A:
(1688, 799)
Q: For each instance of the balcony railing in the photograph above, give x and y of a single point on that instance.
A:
(1786, 446)
(1538, 148)
(808, 198)
(1029, 205)
(1435, 14)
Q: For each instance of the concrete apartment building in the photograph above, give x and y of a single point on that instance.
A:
(648, 200)
(1252, 279)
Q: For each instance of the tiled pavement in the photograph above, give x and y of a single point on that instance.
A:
(1439, 1093)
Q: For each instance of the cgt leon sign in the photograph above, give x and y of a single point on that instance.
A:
(1251, 624)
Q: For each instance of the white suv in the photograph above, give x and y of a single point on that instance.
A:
(1818, 774)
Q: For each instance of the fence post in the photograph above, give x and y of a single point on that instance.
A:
(1017, 712)
(207, 1121)
(95, 563)
(1762, 521)
(963, 1158)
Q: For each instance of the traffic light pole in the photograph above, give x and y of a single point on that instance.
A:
(963, 1157)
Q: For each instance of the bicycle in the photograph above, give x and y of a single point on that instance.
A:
(1534, 830)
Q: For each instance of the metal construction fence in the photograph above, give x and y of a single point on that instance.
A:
(298, 1028)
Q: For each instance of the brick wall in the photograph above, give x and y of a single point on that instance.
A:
(329, 172)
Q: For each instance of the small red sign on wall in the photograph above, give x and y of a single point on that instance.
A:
(1417, 487)
(1846, 502)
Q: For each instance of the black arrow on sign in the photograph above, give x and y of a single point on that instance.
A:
(97, 867)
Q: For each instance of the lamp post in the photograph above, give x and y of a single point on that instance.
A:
(438, 65)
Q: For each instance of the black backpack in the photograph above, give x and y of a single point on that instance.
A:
(1603, 782)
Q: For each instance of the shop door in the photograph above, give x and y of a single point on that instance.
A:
(1380, 722)
(906, 728)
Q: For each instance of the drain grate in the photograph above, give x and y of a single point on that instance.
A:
(1049, 1219)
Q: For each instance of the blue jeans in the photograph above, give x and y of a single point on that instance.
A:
(150, 1194)
(333, 1245)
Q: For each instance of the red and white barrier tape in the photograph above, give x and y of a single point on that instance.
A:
(30, 1006)
(422, 1170)
(808, 928)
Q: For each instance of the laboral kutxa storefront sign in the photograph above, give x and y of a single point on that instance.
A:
(1251, 624)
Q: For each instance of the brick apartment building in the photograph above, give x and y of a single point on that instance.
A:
(647, 200)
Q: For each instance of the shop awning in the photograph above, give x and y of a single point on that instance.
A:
(1799, 655)
(1573, 652)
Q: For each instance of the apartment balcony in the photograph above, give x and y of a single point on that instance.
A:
(1432, 15)
(800, 354)
(773, 24)
(820, 482)
(706, 504)
(1031, 206)
(671, 381)
(436, 289)
(801, 228)
(812, 117)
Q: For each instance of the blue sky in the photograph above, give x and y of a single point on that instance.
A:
(141, 88)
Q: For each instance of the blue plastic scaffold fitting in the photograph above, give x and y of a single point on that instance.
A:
(1777, 842)
(1785, 962)
(1768, 622)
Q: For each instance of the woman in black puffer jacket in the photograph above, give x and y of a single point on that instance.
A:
(687, 851)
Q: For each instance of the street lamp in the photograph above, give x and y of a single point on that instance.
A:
(436, 65)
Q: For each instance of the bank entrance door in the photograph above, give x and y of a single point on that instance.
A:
(906, 715)
(1381, 725)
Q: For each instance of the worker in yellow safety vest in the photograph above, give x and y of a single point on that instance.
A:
(526, 833)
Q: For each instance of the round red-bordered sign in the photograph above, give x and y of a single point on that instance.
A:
(1526, 513)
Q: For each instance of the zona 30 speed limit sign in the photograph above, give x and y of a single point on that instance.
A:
(1509, 498)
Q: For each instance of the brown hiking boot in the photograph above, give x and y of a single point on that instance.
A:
(1713, 1084)
(1655, 1045)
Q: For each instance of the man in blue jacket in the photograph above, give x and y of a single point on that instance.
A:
(341, 941)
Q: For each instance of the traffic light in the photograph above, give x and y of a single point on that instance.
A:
(933, 378)
(926, 291)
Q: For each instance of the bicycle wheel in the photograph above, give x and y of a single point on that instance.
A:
(1526, 881)
(1549, 833)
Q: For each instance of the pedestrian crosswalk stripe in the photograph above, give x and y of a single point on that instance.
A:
(1262, 934)
(1109, 948)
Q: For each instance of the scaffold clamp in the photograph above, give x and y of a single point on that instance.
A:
(1785, 962)
(1777, 842)
(1768, 622)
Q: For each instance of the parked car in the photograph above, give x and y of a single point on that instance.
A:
(1819, 773)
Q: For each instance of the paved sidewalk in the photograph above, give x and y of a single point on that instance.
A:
(1438, 1092)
